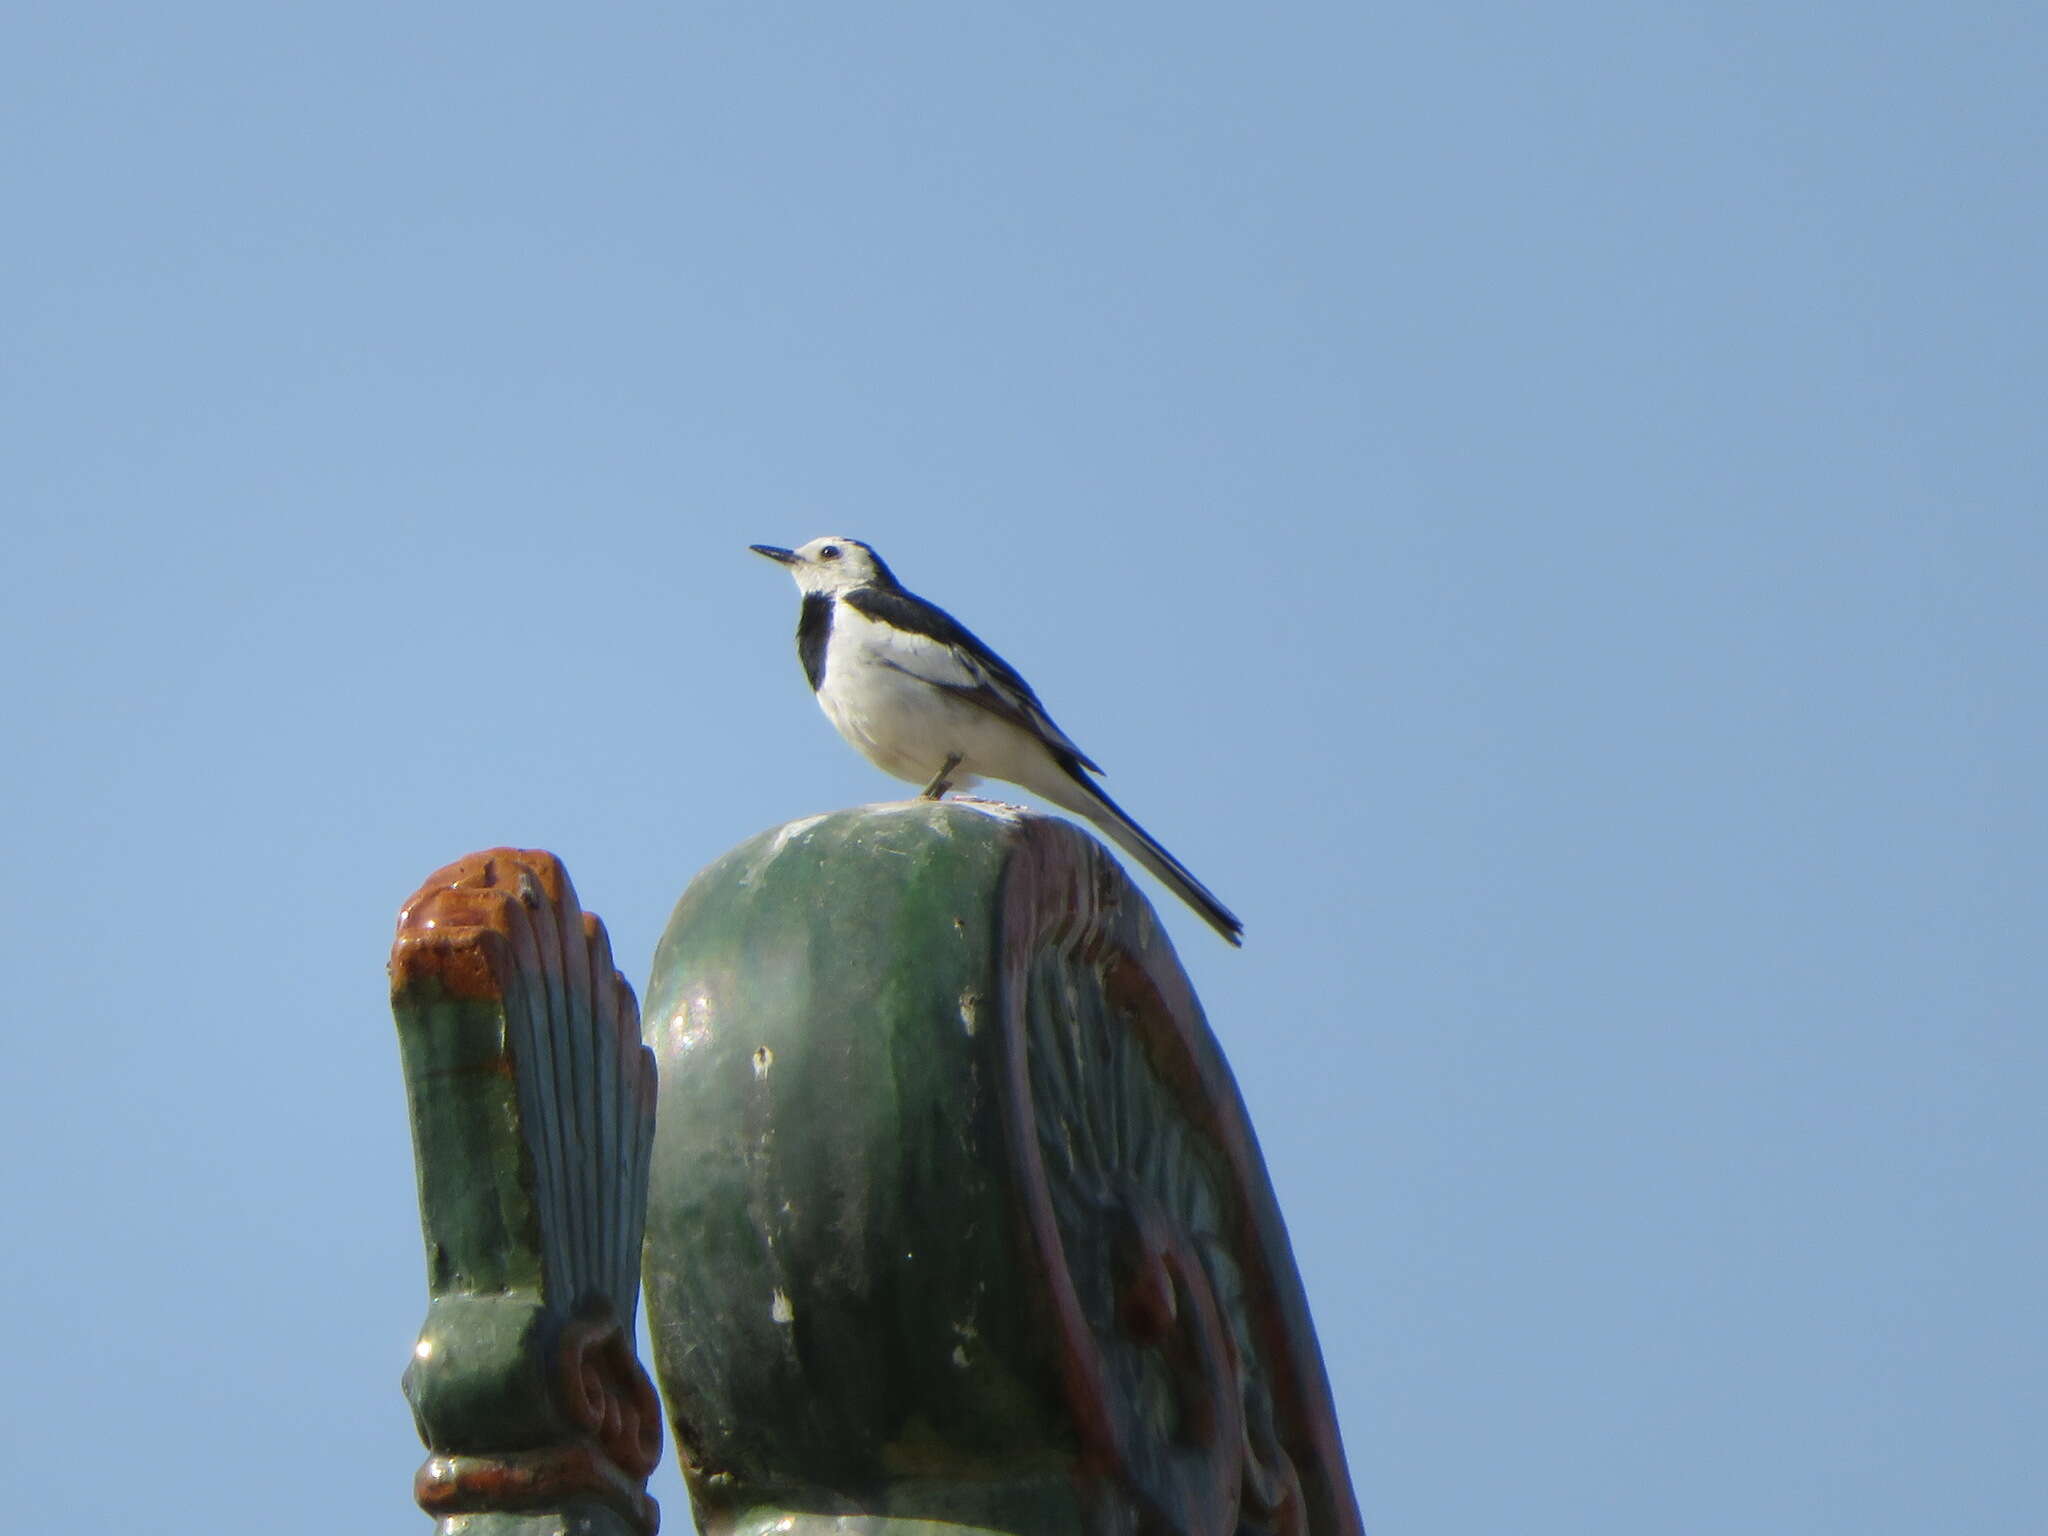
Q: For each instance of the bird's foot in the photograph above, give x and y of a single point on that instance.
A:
(942, 780)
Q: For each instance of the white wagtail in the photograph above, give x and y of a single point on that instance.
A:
(924, 700)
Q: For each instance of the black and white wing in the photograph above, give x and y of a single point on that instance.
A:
(937, 648)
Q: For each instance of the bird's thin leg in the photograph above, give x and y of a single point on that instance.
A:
(940, 781)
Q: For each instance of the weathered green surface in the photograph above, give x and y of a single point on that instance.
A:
(954, 1213)
(826, 1249)
(572, 1518)
(532, 1113)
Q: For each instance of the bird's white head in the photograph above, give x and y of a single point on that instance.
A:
(833, 563)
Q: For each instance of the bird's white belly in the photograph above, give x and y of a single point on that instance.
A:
(905, 726)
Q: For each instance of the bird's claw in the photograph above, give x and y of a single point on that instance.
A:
(942, 780)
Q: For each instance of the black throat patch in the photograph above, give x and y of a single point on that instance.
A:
(813, 631)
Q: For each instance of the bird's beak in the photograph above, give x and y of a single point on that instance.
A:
(780, 556)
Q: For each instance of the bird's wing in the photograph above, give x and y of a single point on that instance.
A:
(937, 648)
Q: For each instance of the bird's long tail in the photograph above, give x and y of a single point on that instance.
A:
(1083, 798)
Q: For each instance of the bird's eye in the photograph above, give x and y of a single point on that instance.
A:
(829, 552)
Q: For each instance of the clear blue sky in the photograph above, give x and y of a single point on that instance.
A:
(1542, 508)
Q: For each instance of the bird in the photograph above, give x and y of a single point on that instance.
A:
(921, 698)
